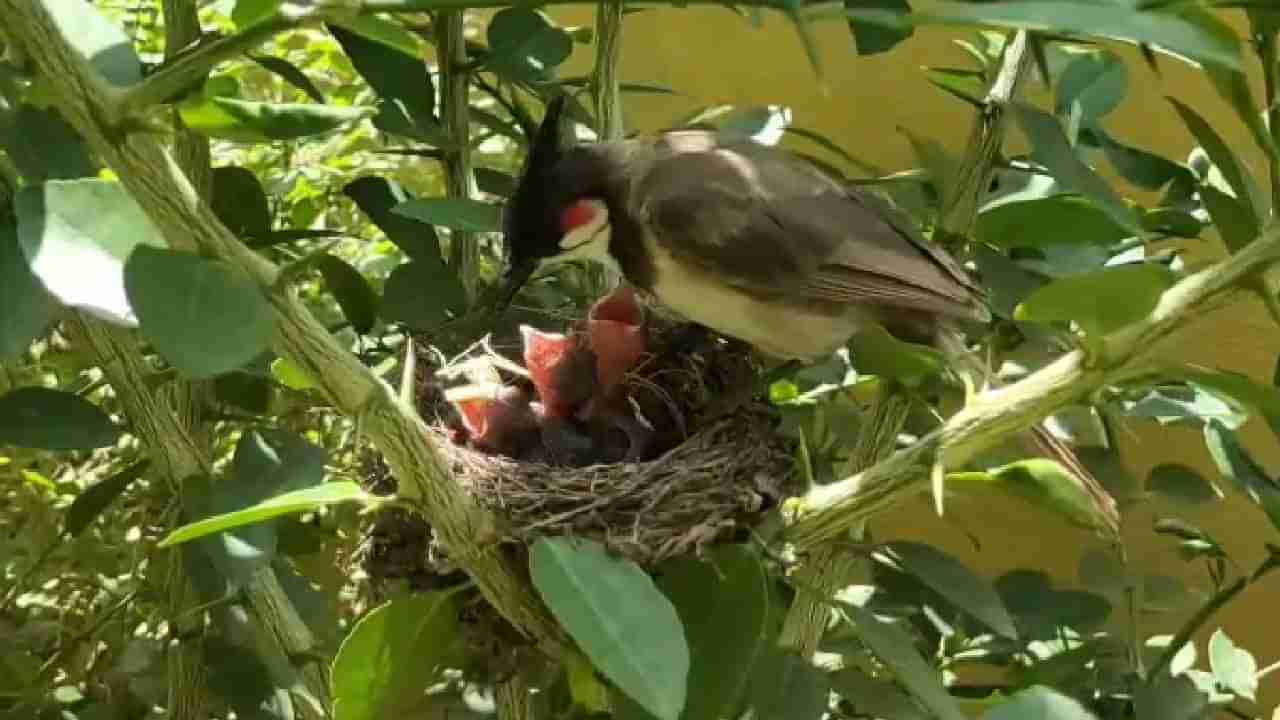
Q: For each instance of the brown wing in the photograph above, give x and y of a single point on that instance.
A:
(767, 221)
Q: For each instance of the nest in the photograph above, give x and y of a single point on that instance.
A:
(713, 464)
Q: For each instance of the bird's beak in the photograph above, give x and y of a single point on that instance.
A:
(512, 280)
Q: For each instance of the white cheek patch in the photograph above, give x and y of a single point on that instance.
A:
(589, 241)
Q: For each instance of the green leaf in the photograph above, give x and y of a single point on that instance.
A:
(1171, 221)
(354, 295)
(729, 619)
(1100, 301)
(182, 300)
(290, 74)
(93, 37)
(625, 626)
(952, 580)
(1201, 38)
(239, 677)
(1097, 81)
(376, 197)
(1042, 482)
(249, 391)
(393, 654)
(787, 687)
(248, 121)
(1144, 169)
(76, 235)
(290, 503)
(290, 375)
(495, 182)
(400, 79)
(89, 504)
(896, 648)
(1008, 282)
(43, 146)
(876, 352)
(1042, 610)
(240, 202)
(252, 12)
(1039, 703)
(26, 309)
(1183, 484)
(422, 297)
(875, 698)
(1235, 224)
(1236, 463)
(1051, 149)
(1233, 171)
(387, 32)
(1055, 220)
(1169, 698)
(1233, 667)
(37, 417)
(1233, 86)
(453, 213)
(525, 46)
(968, 85)
(873, 38)
(1101, 570)
(273, 460)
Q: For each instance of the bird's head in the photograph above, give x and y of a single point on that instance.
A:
(558, 212)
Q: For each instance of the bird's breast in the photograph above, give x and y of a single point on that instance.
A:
(776, 325)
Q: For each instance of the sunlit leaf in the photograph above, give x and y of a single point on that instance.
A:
(251, 12)
(1044, 483)
(249, 121)
(1233, 666)
(1100, 301)
(896, 648)
(613, 611)
(1055, 220)
(453, 213)
(183, 300)
(290, 503)
(38, 417)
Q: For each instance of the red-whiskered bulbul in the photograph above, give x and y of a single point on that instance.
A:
(751, 241)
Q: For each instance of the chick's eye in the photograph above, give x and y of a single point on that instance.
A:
(576, 215)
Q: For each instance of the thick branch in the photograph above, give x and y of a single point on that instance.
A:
(996, 414)
(161, 189)
(455, 107)
(608, 95)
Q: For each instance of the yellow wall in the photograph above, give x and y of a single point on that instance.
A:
(714, 57)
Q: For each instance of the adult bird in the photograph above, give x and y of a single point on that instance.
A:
(751, 241)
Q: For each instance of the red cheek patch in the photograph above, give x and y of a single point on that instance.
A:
(576, 215)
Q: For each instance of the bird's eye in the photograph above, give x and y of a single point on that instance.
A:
(576, 215)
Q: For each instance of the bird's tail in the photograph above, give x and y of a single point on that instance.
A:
(1038, 440)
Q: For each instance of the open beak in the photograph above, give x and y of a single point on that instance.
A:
(512, 280)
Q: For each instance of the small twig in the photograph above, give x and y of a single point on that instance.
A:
(1264, 672)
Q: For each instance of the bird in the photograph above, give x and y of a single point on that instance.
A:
(749, 240)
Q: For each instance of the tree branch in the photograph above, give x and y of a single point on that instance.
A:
(1129, 352)
(608, 95)
(455, 107)
(151, 177)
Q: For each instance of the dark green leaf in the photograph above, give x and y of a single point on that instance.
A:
(453, 213)
(238, 676)
(875, 698)
(1100, 301)
(1055, 220)
(76, 229)
(1039, 703)
(1198, 38)
(400, 79)
(896, 648)
(495, 182)
(875, 38)
(1231, 217)
(89, 504)
(1009, 283)
(1236, 463)
(1233, 171)
(1051, 149)
(832, 147)
(376, 197)
(1181, 483)
(1041, 610)
(290, 74)
(1177, 223)
(43, 145)
(252, 12)
(96, 39)
(182, 300)
(525, 46)
(357, 300)
(1169, 698)
(421, 296)
(315, 607)
(1233, 86)
(240, 202)
(610, 607)
(877, 352)
(728, 616)
(952, 580)
(248, 121)
(275, 460)
(37, 417)
(278, 237)
(1097, 81)
(1234, 668)
(248, 391)
(1144, 169)
(392, 655)
(787, 687)
(26, 309)
(968, 85)
(290, 503)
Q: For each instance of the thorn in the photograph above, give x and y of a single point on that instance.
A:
(937, 476)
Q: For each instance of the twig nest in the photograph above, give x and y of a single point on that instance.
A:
(623, 428)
